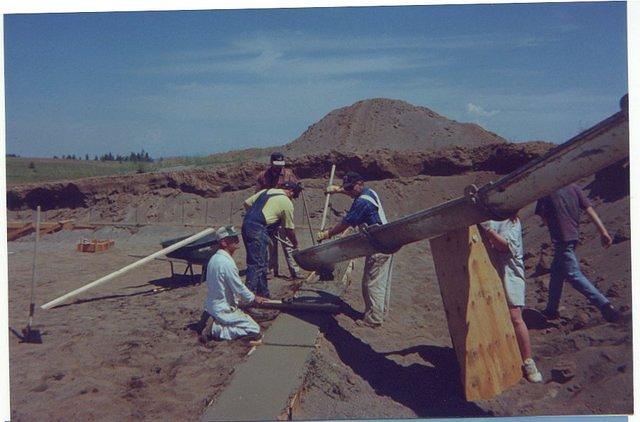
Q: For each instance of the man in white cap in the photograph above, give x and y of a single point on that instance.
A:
(226, 292)
(376, 279)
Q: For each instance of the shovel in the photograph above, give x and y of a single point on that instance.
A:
(30, 334)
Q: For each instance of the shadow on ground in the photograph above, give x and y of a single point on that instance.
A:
(162, 285)
(428, 391)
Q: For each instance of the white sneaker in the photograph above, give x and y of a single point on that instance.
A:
(531, 373)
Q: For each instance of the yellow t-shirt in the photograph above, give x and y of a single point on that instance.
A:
(276, 208)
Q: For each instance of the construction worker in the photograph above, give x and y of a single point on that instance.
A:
(274, 177)
(506, 238)
(225, 292)
(366, 209)
(267, 210)
(560, 211)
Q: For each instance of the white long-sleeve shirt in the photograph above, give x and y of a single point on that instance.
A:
(225, 289)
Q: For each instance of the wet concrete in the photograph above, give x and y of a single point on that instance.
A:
(263, 386)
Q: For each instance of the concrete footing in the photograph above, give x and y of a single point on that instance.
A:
(267, 384)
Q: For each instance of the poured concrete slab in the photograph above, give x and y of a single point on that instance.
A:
(264, 384)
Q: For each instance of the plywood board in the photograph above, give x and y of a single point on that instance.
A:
(477, 314)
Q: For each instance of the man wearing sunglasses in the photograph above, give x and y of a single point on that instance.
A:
(366, 209)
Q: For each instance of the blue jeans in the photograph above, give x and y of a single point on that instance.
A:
(256, 243)
(565, 266)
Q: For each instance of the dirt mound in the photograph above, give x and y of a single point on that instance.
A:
(385, 123)
(377, 165)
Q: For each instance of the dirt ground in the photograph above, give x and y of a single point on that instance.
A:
(126, 350)
(408, 369)
(129, 351)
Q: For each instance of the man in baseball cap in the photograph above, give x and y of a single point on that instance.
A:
(269, 212)
(226, 292)
(277, 176)
(366, 209)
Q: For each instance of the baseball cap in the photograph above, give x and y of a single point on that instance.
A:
(226, 231)
(277, 159)
(296, 187)
(350, 179)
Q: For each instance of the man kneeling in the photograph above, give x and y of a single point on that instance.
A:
(225, 292)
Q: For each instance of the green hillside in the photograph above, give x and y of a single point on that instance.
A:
(21, 170)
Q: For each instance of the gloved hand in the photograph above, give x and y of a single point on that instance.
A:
(322, 235)
(333, 189)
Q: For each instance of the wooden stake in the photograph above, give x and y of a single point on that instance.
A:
(477, 314)
(306, 212)
(129, 267)
(33, 268)
(326, 201)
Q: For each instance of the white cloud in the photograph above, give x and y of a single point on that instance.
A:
(293, 54)
(478, 111)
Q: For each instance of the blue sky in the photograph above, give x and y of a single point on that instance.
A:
(199, 82)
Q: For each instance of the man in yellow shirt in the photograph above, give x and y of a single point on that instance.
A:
(266, 211)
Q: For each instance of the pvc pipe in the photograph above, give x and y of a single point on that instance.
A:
(128, 268)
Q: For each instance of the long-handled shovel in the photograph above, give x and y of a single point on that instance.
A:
(306, 213)
(324, 273)
(30, 334)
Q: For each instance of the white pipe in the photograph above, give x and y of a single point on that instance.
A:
(128, 268)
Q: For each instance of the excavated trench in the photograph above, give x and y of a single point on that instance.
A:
(379, 165)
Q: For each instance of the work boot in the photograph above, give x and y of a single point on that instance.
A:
(206, 334)
(531, 373)
(253, 339)
(366, 323)
(609, 313)
(550, 315)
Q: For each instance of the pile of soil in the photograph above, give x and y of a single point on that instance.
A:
(377, 123)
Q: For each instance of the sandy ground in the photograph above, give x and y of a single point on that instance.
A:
(127, 351)
(124, 350)
(408, 369)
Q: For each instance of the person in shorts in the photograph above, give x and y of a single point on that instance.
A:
(506, 239)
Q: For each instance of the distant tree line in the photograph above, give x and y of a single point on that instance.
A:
(135, 157)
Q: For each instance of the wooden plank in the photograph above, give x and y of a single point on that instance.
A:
(67, 224)
(18, 232)
(49, 227)
(17, 224)
(477, 314)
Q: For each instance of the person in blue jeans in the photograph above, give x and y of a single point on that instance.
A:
(266, 211)
(561, 213)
